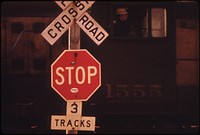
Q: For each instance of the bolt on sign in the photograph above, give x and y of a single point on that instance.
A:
(74, 12)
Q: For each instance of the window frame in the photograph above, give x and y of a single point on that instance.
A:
(149, 19)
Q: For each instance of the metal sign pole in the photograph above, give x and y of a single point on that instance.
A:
(74, 37)
(69, 39)
(73, 43)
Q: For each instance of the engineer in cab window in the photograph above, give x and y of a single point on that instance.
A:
(122, 25)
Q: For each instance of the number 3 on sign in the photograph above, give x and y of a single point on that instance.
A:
(74, 108)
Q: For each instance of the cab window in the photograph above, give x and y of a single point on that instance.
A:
(139, 22)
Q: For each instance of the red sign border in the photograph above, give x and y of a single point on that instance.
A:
(76, 51)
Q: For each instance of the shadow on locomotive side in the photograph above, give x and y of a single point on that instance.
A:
(150, 82)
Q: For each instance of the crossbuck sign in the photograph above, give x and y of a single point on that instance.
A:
(74, 12)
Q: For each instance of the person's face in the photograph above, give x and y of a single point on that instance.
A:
(123, 17)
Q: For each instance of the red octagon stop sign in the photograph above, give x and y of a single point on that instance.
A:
(75, 75)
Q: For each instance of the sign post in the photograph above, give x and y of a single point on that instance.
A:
(75, 74)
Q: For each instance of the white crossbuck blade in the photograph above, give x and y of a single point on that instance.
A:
(74, 11)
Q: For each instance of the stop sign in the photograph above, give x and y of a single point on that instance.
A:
(75, 75)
